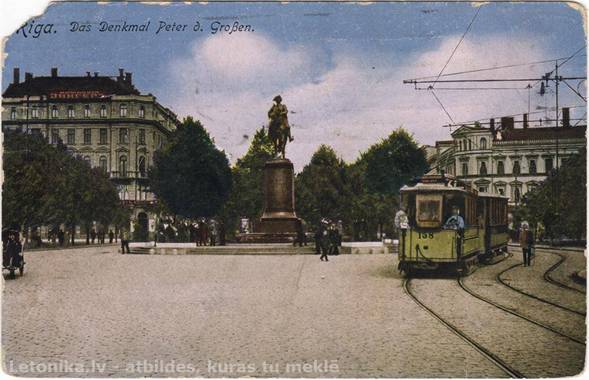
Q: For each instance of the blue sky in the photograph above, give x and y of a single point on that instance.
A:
(339, 67)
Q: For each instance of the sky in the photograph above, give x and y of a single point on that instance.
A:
(338, 66)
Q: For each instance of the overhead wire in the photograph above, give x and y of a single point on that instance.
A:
(458, 44)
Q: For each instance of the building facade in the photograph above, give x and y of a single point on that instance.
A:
(104, 120)
(506, 160)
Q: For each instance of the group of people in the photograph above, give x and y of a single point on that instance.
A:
(327, 240)
(201, 233)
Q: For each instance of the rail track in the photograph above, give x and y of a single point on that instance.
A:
(552, 281)
(513, 312)
(538, 298)
(510, 371)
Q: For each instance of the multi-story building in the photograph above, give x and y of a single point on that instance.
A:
(105, 120)
(505, 160)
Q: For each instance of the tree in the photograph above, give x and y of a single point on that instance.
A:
(320, 188)
(190, 175)
(45, 184)
(393, 162)
(559, 203)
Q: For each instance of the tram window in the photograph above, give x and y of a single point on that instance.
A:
(429, 210)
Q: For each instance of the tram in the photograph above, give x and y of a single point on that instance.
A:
(429, 243)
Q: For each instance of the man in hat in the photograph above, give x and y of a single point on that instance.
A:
(526, 241)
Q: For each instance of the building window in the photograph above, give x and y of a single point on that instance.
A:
(102, 163)
(548, 164)
(87, 136)
(142, 112)
(469, 144)
(87, 159)
(87, 110)
(482, 189)
(70, 112)
(12, 113)
(533, 169)
(34, 112)
(103, 136)
(71, 136)
(142, 136)
(500, 168)
(464, 169)
(501, 191)
(460, 145)
(483, 143)
(483, 169)
(123, 136)
(464, 145)
(103, 110)
(516, 168)
(54, 112)
(55, 136)
(142, 166)
(123, 110)
(123, 166)
(36, 132)
(516, 194)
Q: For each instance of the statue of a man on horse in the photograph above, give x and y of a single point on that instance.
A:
(279, 129)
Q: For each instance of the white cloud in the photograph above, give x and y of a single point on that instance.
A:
(347, 100)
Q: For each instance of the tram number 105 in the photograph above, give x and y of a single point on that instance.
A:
(426, 235)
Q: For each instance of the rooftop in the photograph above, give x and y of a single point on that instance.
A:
(67, 87)
(547, 133)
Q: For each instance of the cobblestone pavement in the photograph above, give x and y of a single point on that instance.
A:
(118, 315)
(574, 260)
(530, 280)
(484, 283)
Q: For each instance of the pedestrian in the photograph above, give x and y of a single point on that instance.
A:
(300, 233)
(60, 237)
(526, 241)
(124, 241)
(323, 242)
(111, 236)
(93, 235)
(213, 233)
(101, 234)
(333, 239)
(318, 236)
(204, 232)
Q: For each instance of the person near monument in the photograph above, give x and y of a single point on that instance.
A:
(300, 238)
(204, 232)
(93, 235)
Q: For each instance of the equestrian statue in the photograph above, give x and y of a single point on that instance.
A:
(279, 129)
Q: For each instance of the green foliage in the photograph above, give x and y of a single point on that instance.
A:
(190, 175)
(392, 162)
(247, 197)
(320, 189)
(559, 203)
(46, 185)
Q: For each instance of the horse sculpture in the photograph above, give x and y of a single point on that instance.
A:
(279, 130)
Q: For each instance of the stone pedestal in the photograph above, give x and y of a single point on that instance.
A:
(278, 223)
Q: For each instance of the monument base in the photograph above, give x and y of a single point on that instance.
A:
(261, 237)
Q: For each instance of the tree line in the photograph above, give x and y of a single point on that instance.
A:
(45, 185)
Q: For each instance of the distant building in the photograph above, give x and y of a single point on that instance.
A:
(502, 159)
(105, 120)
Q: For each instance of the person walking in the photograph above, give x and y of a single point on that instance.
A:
(300, 234)
(60, 237)
(111, 236)
(124, 241)
(526, 241)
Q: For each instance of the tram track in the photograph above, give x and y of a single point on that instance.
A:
(551, 280)
(506, 368)
(513, 312)
(528, 294)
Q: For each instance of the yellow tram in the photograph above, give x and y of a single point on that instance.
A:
(429, 242)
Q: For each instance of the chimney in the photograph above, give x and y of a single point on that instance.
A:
(16, 75)
(96, 74)
(129, 78)
(507, 123)
(28, 77)
(121, 73)
(566, 117)
(54, 72)
(526, 121)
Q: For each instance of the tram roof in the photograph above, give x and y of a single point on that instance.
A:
(432, 187)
